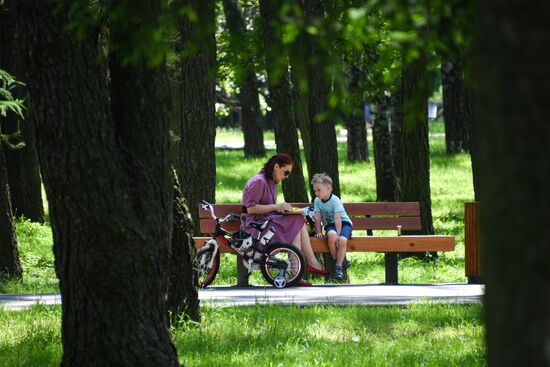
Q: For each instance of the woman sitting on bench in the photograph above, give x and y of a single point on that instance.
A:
(259, 204)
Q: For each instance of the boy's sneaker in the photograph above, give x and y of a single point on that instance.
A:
(338, 273)
(346, 263)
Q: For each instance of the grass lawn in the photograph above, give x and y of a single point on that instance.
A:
(418, 335)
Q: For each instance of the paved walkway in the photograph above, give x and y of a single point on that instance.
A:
(323, 294)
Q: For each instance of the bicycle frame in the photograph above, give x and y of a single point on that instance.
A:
(279, 263)
(220, 238)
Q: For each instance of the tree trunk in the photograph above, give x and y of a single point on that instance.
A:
(324, 150)
(9, 254)
(248, 82)
(358, 150)
(415, 182)
(183, 299)
(513, 150)
(474, 149)
(386, 188)
(196, 116)
(454, 106)
(22, 164)
(395, 129)
(24, 174)
(286, 136)
(109, 188)
(299, 76)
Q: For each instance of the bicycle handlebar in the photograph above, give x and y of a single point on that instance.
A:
(231, 217)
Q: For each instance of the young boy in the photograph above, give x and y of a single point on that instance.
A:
(338, 226)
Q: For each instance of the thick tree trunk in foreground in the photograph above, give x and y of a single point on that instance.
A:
(286, 135)
(196, 126)
(183, 299)
(9, 254)
(386, 188)
(415, 182)
(455, 114)
(248, 82)
(109, 188)
(22, 164)
(513, 149)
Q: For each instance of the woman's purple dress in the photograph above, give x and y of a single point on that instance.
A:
(260, 190)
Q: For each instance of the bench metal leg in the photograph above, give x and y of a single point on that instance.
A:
(242, 273)
(390, 260)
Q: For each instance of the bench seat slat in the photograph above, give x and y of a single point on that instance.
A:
(379, 244)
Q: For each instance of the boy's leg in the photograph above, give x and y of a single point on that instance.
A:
(342, 248)
(331, 242)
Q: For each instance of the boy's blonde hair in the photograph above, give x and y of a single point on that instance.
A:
(321, 178)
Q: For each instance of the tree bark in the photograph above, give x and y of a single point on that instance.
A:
(9, 254)
(183, 299)
(299, 75)
(286, 135)
(24, 174)
(324, 150)
(474, 149)
(455, 111)
(415, 180)
(248, 82)
(386, 188)
(513, 128)
(195, 111)
(395, 129)
(22, 164)
(358, 150)
(107, 174)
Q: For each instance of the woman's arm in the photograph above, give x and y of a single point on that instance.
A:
(262, 209)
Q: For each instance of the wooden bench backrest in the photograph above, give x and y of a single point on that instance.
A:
(365, 216)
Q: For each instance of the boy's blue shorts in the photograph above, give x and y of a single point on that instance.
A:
(345, 232)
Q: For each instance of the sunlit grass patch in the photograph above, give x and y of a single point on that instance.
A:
(36, 257)
(268, 335)
(420, 334)
(31, 337)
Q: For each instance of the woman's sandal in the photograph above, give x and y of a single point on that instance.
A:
(311, 269)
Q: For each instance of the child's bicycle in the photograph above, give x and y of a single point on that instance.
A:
(281, 264)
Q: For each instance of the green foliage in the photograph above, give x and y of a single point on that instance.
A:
(270, 335)
(7, 102)
(10, 104)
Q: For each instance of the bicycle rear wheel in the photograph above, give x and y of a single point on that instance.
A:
(206, 264)
(291, 256)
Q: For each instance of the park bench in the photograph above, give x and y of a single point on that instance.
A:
(397, 216)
